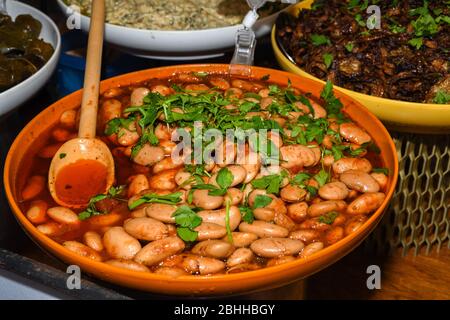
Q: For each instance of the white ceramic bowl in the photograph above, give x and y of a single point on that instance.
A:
(15, 96)
(173, 45)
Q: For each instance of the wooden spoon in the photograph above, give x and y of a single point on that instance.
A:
(84, 167)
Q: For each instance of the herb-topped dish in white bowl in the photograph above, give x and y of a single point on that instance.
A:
(176, 30)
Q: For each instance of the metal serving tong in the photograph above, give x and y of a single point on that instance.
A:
(244, 52)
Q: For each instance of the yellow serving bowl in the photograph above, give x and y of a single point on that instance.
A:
(396, 114)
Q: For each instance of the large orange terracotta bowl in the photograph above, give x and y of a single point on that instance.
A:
(33, 137)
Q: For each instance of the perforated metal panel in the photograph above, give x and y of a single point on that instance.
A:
(418, 219)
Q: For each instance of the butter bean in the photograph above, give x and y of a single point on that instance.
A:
(276, 247)
(156, 251)
(240, 256)
(63, 215)
(146, 229)
(334, 191)
(202, 265)
(359, 181)
(119, 244)
(311, 248)
(37, 213)
(128, 264)
(162, 212)
(82, 250)
(264, 229)
(366, 203)
(242, 239)
(218, 217)
(93, 240)
(213, 248)
(318, 209)
(209, 230)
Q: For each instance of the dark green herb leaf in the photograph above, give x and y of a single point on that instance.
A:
(322, 177)
(224, 178)
(329, 217)
(187, 220)
(261, 201)
(442, 97)
(349, 47)
(319, 40)
(172, 198)
(416, 42)
(247, 214)
(328, 59)
(300, 179)
(312, 191)
(186, 234)
(270, 183)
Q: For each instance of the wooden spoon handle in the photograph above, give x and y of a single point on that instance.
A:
(89, 104)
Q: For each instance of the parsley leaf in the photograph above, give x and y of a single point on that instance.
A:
(332, 104)
(224, 178)
(322, 177)
(91, 209)
(329, 217)
(247, 214)
(442, 97)
(319, 40)
(328, 59)
(349, 47)
(172, 198)
(300, 179)
(416, 42)
(270, 183)
(187, 220)
(261, 201)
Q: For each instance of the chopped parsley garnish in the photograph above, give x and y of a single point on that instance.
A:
(227, 222)
(360, 20)
(261, 201)
(328, 59)
(319, 40)
(329, 217)
(187, 220)
(442, 97)
(332, 104)
(91, 209)
(247, 214)
(322, 177)
(224, 179)
(416, 42)
(349, 47)
(62, 155)
(270, 183)
(300, 179)
(172, 198)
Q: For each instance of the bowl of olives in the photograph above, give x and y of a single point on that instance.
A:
(29, 50)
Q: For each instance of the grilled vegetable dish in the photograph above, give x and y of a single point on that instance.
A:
(315, 179)
(406, 59)
(22, 53)
(176, 14)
